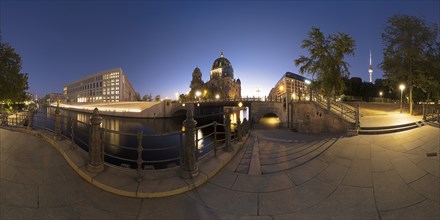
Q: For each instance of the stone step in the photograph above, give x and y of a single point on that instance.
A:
(294, 155)
(284, 150)
(389, 129)
(304, 158)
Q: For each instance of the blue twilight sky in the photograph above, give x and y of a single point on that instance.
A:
(158, 44)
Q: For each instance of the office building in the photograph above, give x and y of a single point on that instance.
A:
(106, 86)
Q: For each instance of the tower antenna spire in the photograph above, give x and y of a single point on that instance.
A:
(370, 70)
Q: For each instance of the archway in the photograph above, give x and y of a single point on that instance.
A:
(269, 120)
(178, 113)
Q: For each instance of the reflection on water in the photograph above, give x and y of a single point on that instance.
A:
(123, 133)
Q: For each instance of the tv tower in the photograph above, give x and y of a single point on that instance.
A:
(370, 70)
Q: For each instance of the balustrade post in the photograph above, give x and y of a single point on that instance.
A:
(30, 117)
(72, 133)
(245, 126)
(228, 146)
(188, 168)
(57, 124)
(96, 162)
(239, 128)
(3, 119)
(215, 137)
(139, 170)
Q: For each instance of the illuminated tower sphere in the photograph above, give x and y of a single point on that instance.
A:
(370, 70)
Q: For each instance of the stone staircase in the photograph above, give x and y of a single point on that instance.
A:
(292, 155)
(390, 129)
(266, 155)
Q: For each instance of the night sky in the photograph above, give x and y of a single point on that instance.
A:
(158, 44)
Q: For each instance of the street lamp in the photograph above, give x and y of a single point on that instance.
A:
(198, 93)
(401, 87)
(217, 96)
(380, 94)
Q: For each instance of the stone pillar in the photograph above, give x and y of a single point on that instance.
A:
(30, 117)
(96, 162)
(188, 168)
(228, 146)
(3, 119)
(239, 130)
(140, 149)
(424, 112)
(245, 126)
(57, 124)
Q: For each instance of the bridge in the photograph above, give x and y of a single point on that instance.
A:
(304, 116)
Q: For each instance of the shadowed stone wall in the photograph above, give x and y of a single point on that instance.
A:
(308, 117)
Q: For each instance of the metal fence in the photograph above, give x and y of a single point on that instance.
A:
(135, 155)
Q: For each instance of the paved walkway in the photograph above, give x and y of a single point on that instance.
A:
(390, 118)
(362, 177)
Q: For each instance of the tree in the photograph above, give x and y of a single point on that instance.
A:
(147, 98)
(137, 97)
(326, 60)
(157, 98)
(13, 84)
(410, 45)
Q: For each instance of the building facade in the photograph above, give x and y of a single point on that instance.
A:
(291, 87)
(106, 86)
(221, 84)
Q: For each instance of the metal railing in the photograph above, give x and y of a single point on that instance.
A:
(138, 153)
(17, 119)
(431, 113)
(346, 112)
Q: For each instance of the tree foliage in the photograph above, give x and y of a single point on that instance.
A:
(410, 54)
(13, 84)
(326, 60)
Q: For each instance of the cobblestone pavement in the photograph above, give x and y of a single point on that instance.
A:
(362, 177)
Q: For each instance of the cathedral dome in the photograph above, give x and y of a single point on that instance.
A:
(225, 65)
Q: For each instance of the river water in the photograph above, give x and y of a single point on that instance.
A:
(121, 142)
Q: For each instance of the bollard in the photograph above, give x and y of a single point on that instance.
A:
(228, 146)
(57, 124)
(30, 118)
(188, 168)
(424, 112)
(140, 149)
(96, 162)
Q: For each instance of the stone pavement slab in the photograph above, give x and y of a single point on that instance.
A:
(374, 177)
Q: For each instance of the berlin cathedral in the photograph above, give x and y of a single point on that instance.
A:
(221, 84)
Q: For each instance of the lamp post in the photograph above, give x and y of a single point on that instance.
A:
(380, 94)
(198, 93)
(401, 87)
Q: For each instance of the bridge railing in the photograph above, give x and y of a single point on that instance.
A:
(137, 153)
